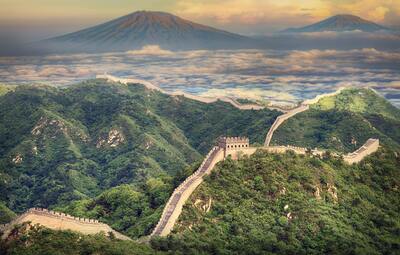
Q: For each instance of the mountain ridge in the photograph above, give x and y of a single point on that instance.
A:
(137, 29)
(339, 23)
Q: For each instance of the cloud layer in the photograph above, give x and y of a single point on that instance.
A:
(283, 77)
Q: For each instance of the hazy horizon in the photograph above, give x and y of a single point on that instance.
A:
(282, 68)
(22, 22)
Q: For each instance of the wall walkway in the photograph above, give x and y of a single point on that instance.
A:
(173, 207)
(370, 146)
(303, 107)
(280, 119)
(60, 221)
(206, 100)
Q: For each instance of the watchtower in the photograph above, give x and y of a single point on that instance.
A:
(232, 144)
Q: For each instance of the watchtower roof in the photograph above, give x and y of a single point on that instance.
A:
(234, 139)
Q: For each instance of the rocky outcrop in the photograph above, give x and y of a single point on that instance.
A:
(56, 126)
(332, 190)
(114, 138)
(17, 159)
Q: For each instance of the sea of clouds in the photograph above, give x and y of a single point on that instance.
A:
(279, 76)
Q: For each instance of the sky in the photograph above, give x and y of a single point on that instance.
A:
(30, 20)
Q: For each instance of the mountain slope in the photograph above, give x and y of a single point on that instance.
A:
(85, 142)
(146, 28)
(343, 122)
(289, 204)
(339, 23)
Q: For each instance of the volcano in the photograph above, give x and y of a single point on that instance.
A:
(340, 23)
(142, 28)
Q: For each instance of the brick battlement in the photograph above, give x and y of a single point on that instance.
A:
(60, 221)
(43, 211)
(233, 144)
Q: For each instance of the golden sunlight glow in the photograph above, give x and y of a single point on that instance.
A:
(212, 12)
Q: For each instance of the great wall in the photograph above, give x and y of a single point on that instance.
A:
(207, 100)
(304, 106)
(233, 147)
(60, 221)
(280, 119)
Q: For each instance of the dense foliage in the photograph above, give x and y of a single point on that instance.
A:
(32, 240)
(291, 204)
(82, 142)
(131, 209)
(364, 101)
(6, 215)
(57, 150)
(343, 122)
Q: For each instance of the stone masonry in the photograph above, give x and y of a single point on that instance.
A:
(60, 221)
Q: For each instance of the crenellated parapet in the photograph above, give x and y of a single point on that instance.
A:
(60, 221)
(50, 213)
(280, 119)
(232, 145)
(178, 198)
(203, 99)
(369, 147)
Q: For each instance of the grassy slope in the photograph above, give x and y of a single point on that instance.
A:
(249, 197)
(343, 122)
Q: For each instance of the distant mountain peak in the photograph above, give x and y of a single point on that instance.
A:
(339, 23)
(141, 28)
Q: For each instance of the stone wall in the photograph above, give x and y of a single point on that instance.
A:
(173, 207)
(369, 147)
(280, 120)
(232, 144)
(60, 221)
(319, 97)
(206, 100)
(303, 107)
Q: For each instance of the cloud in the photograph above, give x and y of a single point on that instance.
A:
(252, 93)
(150, 50)
(279, 76)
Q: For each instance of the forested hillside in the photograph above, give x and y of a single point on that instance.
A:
(101, 143)
(343, 122)
(291, 204)
(115, 153)
(38, 240)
